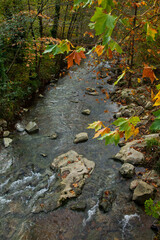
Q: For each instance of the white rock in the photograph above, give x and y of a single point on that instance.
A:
(32, 127)
(19, 127)
(86, 112)
(81, 137)
(7, 141)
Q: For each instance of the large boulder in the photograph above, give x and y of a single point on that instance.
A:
(143, 192)
(127, 170)
(74, 169)
(81, 137)
(32, 127)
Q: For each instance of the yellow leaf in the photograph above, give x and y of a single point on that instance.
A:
(99, 2)
(97, 125)
(151, 32)
(139, 80)
(99, 50)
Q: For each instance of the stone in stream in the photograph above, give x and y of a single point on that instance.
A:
(53, 136)
(143, 192)
(32, 127)
(106, 200)
(74, 170)
(7, 141)
(79, 206)
(86, 112)
(127, 170)
(128, 154)
(81, 137)
(6, 133)
(19, 127)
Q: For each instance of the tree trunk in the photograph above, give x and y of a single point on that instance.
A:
(56, 19)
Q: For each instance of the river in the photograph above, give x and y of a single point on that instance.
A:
(26, 176)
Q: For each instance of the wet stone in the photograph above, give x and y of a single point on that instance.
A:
(79, 206)
(86, 112)
(32, 127)
(127, 170)
(6, 133)
(81, 137)
(53, 136)
(7, 141)
(106, 200)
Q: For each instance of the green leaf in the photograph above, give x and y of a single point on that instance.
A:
(158, 87)
(155, 125)
(120, 77)
(120, 121)
(102, 21)
(157, 113)
(114, 46)
(49, 49)
(116, 138)
(134, 120)
(107, 4)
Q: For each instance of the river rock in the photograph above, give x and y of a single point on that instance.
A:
(86, 112)
(139, 110)
(32, 127)
(134, 184)
(128, 113)
(127, 170)
(74, 169)
(53, 136)
(127, 154)
(19, 127)
(143, 192)
(79, 206)
(6, 133)
(148, 105)
(81, 137)
(7, 141)
(106, 200)
(93, 93)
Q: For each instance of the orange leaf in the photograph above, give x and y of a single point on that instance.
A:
(99, 50)
(148, 72)
(76, 56)
(102, 132)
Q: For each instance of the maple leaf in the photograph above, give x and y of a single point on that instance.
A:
(76, 56)
(102, 132)
(157, 98)
(148, 72)
(151, 32)
(99, 50)
(97, 125)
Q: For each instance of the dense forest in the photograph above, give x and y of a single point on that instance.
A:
(27, 27)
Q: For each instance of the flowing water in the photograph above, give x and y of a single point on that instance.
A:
(26, 177)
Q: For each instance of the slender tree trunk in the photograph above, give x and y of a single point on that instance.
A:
(64, 21)
(132, 48)
(56, 19)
